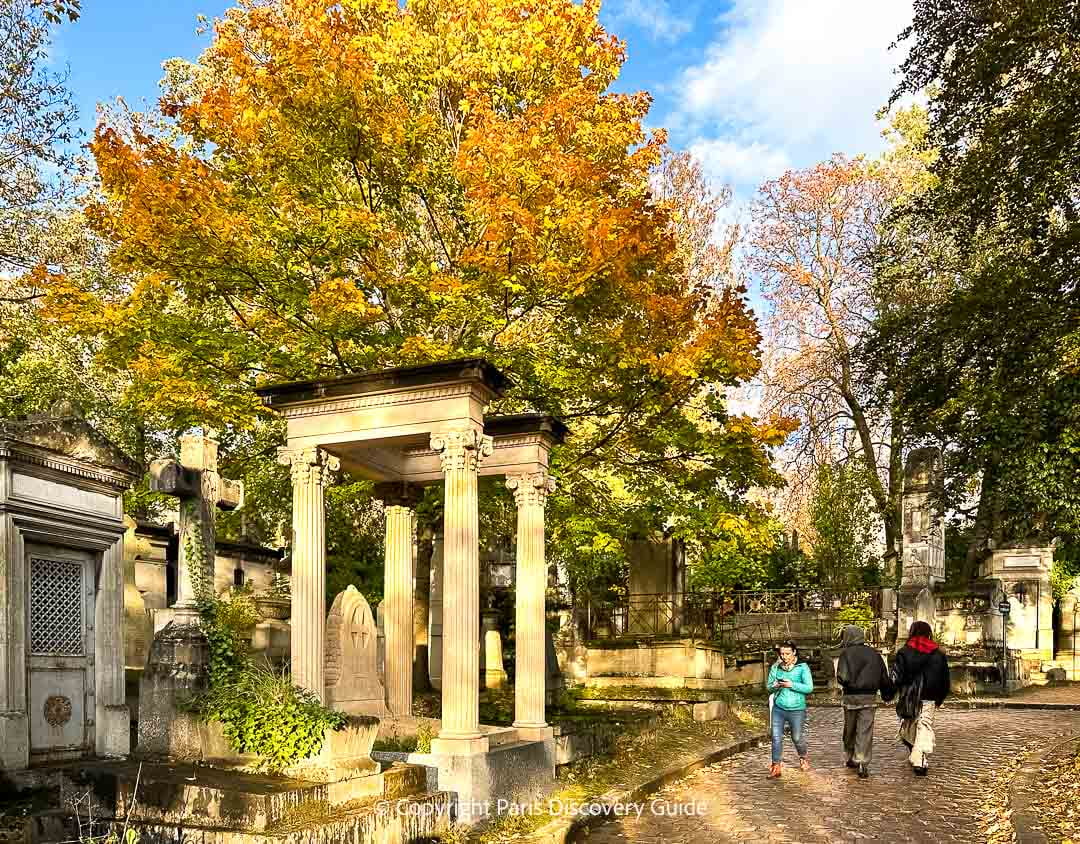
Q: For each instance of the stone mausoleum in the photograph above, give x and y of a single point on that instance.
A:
(61, 592)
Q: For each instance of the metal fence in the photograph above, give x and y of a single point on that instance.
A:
(742, 620)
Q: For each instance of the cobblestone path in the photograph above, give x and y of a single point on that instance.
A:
(831, 804)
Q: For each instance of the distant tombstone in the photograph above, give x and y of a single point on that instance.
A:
(352, 676)
(924, 519)
(491, 659)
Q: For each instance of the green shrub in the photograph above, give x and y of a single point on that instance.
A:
(260, 710)
(263, 712)
(860, 615)
(227, 623)
(1065, 572)
(424, 735)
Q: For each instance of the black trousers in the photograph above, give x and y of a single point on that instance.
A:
(859, 734)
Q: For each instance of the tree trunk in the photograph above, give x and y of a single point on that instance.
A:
(986, 519)
(894, 513)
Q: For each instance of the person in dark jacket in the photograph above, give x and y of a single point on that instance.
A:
(920, 673)
(862, 674)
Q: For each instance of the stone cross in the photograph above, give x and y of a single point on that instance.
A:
(194, 479)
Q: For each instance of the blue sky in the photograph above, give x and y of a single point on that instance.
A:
(753, 87)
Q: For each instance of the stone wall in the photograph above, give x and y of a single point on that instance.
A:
(682, 658)
(672, 664)
(150, 553)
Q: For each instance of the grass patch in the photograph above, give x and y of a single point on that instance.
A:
(395, 744)
(639, 756)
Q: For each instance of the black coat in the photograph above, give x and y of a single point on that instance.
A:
(910, 664)
(862, 671)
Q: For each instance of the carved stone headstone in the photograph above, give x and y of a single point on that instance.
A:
(352, 676)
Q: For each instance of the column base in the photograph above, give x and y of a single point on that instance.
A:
(459, 746)
(534, 732)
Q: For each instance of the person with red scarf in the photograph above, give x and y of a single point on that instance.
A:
(920, 673)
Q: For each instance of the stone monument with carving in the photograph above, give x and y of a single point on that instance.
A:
(178, 665)
(923, 549)
(924, 519)
(352, 676)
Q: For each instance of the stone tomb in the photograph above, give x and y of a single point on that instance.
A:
(405, 428)
(339, 794)
(1023, 575)
(178, 664)
(61, 592)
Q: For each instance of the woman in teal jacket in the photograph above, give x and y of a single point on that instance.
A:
(789, 683)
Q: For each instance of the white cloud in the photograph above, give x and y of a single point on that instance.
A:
(731, 161)
(789, 82)
(653, 16)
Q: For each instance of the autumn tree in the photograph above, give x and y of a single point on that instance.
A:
(814, 236)
(342, 188)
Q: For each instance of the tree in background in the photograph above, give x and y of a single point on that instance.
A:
(982, 334)
(43, 235)
(816, 237)
(845, 526)
(329, 190)
(37, 129)
(815, 232)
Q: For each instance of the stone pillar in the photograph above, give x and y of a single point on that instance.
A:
(530, 492)
(397, 604)
(461, 452)
(435, 613)
(113, 719)
(312, 469)
(14, 726)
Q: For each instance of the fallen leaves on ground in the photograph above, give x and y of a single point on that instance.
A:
(1058, 803)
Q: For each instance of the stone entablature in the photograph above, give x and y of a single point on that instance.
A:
(150, 564)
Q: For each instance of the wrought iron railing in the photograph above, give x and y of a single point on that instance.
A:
(742, 620)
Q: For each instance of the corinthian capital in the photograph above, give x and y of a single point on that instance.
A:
(461, 449)
(309, 465)
(531, 488)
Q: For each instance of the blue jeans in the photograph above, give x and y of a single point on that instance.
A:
(797, 719)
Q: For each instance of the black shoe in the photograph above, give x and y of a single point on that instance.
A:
(864, 772)
(851, 763)
(921, 772)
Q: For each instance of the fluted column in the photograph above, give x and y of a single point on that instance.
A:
(461, 452)
(399, 501)
(530, 492)
(312, 469)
